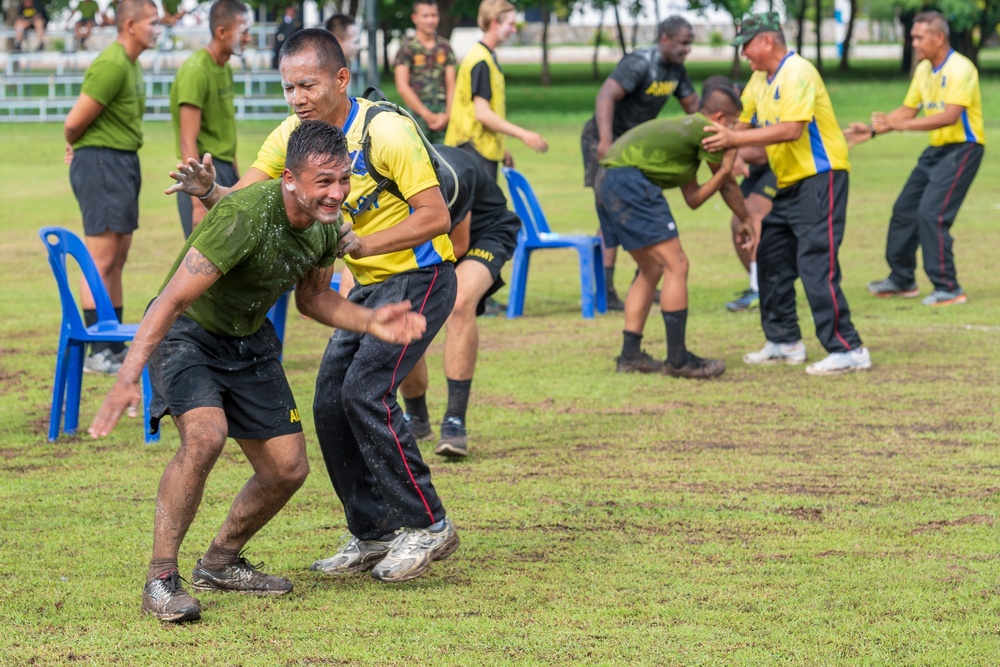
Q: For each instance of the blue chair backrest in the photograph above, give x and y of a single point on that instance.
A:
(61, 242)
(526, 205)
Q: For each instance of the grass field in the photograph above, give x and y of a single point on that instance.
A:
(763, 518)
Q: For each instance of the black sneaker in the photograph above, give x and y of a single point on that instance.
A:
(420, 429)
(166, 599)
(453, 441)
(240, 577)
(614, 303)
(695, 367)
(640, 364)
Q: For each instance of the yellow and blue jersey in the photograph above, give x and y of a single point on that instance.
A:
(956, 81)
(796, 93)
(398, 153)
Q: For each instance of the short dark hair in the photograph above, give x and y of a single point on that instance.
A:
(338, 23)
(224, 12)
(329, 55)
(131, 9)
(424, 2)
(935, 20)
(717, 81)
(672, 25)
(316, 142)
(721, 96)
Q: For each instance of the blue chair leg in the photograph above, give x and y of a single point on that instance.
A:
(58, 393)
(147, 397)
(599, 283)
(518, 282)
(586, 282)
(74, 382)
(279, 315)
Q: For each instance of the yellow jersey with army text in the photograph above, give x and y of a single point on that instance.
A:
(462, 124)
(956, 81)
(397, 153)
(796, 93)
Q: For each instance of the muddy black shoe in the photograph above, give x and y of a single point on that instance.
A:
(640, 364)
(454, 441)
(614, 303)
(239, 577)
(166, 599)
(696, 367)
(419, 429)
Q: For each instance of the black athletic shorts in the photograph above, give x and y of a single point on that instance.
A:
(193, 368)
(493, 248)
(632, 211)
(106, 183)
(761, 181)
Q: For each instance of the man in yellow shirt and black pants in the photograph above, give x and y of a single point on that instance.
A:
(801, 235)
(946, 86)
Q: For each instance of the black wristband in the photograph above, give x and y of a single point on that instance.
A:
(872, 128)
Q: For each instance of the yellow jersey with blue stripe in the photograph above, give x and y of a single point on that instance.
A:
(796, 93)
(397, 153)
(955, 81)
(462, 125)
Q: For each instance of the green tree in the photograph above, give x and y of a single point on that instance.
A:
(736, 9)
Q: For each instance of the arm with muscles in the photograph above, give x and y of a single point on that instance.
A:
(198, 180)
(395, 323)
(859, 133)
(449, 95)
(459, 235)
(604, 113)
(84, 112)
(494, 123)
(195, 275)
(905, 119)
(190, 126)
(429, 218)
(723, 137)
(690, 103)
(722, 181)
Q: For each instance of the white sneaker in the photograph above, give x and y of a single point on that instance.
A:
(842, 362)
(778, 353)
(104, 362)
(413, 552)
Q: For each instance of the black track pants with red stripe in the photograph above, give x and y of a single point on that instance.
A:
(800, 238)
(926, 209)
(373, 460)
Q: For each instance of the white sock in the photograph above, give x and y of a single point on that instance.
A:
(753, 277)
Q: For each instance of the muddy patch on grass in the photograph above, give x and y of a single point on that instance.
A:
(971, 520)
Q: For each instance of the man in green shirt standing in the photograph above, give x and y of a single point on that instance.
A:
(201, 103)
(103, 133)
(89, 9)
(651, 157)
(214, 360)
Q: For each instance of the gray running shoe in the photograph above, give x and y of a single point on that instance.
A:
(166, 599)
(777, 353)
(239, 577)
(946, 298)
(749, 299)
(353, 556)
(420, 429)
(413, 552)
(104, 362)
(640, 364)
(889, 287)
(837, 363)
(696, 367)
(453, 441)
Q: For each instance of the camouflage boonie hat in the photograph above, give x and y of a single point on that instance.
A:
(757, 23)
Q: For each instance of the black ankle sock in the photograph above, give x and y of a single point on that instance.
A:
(159, 567)
(676, 324)
(458, 398)
(217, 558)
(609, 279)
(117, 346)
(89, 320)
(417, 407)
(631, 345)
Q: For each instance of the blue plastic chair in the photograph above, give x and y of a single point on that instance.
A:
(278, 314)
(74, 335)
(536, 235)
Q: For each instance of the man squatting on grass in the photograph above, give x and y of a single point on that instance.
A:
(396, 520)
(214, 360)
(657, 155)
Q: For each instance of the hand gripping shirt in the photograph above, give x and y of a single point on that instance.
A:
(248, 237)
(399, 154)
(956, 81)
(796, 93)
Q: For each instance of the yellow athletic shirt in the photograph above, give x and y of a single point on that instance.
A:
(796, 93)
(956, 81)
(397, 153)
(462, 125)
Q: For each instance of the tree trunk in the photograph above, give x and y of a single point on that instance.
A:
(352, 7)
(844, 65)
(546, 74)
(386, 38)
(906, 20)
(819, 35)
(734, 70)
(621, 33)
(800, 19)
(597, 45)
(448, 18)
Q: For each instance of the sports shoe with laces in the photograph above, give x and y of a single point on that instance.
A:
(104, 362)
(643, 363)
(842, 362)
(420, 429)
(353, 556)
(239, 577)
(414, 550)
(945, 298)
(166, 599)
(453, 441)
(889, 287)
(777, 353)
(748, 300)
(695, 367)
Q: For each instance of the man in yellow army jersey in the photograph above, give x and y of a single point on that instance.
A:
(479, 108)
(801, 235)
(946, 86)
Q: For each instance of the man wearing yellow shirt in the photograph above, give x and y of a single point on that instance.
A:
(946, 86)
(801, 235)
(400, 251)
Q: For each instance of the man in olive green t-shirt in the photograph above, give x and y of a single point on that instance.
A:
(103, 133)
(653, 156)
(201, 103)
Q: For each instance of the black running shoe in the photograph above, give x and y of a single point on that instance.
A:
(453, 440)
(695, 367)
(640, 364)
(419, 429)
(166, 599)
(240, 577)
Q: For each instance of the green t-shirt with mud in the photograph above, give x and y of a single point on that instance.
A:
(666, 150)
(248, 237)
